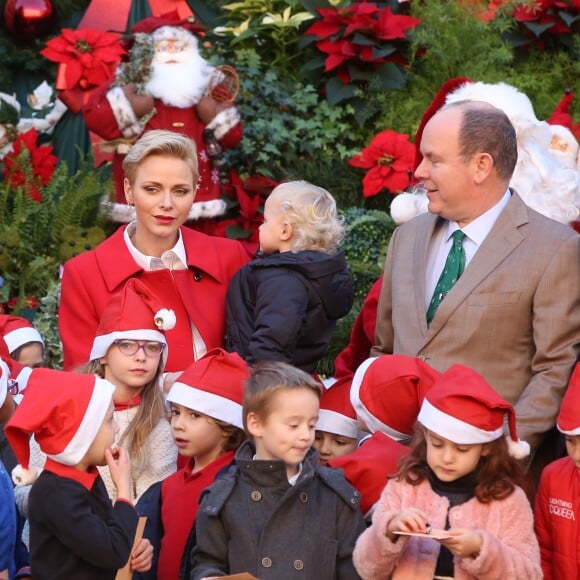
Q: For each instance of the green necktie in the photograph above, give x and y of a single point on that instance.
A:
(454, 266)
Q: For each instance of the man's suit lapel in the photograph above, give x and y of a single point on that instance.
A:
(501, 241)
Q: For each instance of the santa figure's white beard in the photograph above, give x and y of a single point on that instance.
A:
(182, 81)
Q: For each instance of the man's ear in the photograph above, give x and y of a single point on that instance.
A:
(483, 166)
(254, 425)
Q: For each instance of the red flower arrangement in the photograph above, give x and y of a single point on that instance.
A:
(42, 162)
(390, 159)
(87, 58)
(553, 17)
(90, 56)
(360, 34)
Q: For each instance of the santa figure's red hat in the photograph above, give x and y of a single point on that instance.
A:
(462, 407)
(387, 392)
(64, 411)
(336, 413)
(569, 417)
(369, 467)
(134, 313)
(213, 385)
(17, 332)
(153, 23)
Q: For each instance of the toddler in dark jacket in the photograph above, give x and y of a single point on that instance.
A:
(284, 305)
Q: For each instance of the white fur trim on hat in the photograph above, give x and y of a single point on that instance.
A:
(454, 429)
(21, 336)
(220, 408)
(102, 343)
(571, 432)
(122, 213)
(165, 319)
(336, 423)
(21, 476)
(517, 449)
(371, 422)
(95, 412)
(169, 32)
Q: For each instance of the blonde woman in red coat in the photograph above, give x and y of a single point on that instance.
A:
(188, 270)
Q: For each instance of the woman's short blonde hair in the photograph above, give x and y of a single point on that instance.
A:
(311, 210)
(161, 142)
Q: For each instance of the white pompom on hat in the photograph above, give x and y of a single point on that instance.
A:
(336, 413)
(64, 411)
(134, 313)
(17, 331)
(462, 407)
(213, 385)
(568, 421)
(387, 392)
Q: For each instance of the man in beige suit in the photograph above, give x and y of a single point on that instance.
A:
(514, 313)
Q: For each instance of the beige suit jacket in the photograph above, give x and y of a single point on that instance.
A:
(513, 316)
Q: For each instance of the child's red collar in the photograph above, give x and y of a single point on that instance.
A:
(85, 478)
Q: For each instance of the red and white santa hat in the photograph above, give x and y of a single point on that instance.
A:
(569, 418)
(387, 392)
(17, 331)
(64, 411)
(213, 385)
(134, 313)
(167, 25)
(462, 407)
(336, 413)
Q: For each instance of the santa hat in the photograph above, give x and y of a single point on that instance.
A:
(369, 467)
(387, 392)
(438, 101)
(213, 385)
(169, 19)
(134, 313)
(64, 411)
(568, 418)
(17, 331)
(336, 413)
(462, 407)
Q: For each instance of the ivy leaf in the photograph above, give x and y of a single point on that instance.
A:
(337, 91)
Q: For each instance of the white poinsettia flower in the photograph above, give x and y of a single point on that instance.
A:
(165, 319)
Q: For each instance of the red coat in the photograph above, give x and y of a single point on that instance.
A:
(100, 119)
(197, 294)
(557, 514)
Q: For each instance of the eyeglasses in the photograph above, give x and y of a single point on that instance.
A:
(151, 348)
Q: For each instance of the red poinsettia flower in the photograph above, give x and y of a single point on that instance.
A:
(90, 56)
(42, 161)
(390, 158)
(360, 34)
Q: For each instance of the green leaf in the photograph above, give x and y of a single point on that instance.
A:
(337, 91)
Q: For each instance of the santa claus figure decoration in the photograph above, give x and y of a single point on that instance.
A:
(167, 84)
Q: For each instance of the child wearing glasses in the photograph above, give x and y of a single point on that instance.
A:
(130, 351)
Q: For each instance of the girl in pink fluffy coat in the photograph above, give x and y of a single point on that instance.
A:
(455, 509)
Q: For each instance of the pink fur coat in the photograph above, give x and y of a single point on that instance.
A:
(509, 551)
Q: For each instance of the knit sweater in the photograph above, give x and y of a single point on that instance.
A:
(160, 451)
(509, 549)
